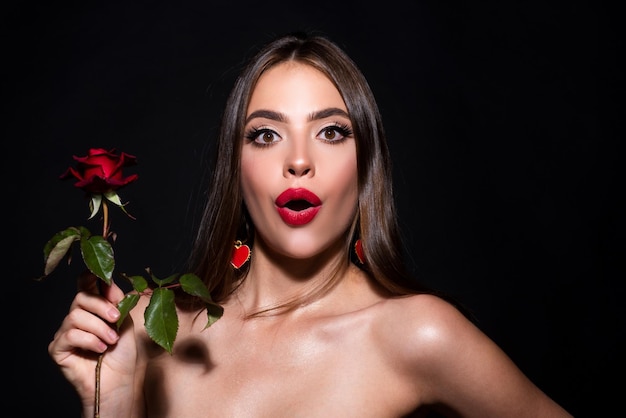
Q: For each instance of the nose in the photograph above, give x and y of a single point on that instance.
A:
(298, 161)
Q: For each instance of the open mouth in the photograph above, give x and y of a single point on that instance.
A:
(298, 205)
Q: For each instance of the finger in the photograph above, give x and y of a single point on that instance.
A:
(83, 330)
(96, 305)
(89, 282)
(112, 292)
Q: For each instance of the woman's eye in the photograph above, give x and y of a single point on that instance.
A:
(330, 134)
(262, 136)
(335, 133)
(266, 137)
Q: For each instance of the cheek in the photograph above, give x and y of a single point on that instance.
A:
(345, 182)
(253, 179)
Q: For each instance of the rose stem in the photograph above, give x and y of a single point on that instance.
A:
(105, 219)
(105, 232)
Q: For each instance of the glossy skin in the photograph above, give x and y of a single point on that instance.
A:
(354, 352)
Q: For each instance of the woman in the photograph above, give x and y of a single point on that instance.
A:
(322, 319)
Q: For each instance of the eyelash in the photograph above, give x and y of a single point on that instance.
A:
(254, 133)
(342, 129)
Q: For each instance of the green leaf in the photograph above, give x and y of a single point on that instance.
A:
(163, 282)
(52, 242)
(57, 247)
(94, 204)
(161, 320)
(192, 284)
(84, 232)
(139, 282)
(213, 312)
(115, 199)
(98, 256)
(125, 306)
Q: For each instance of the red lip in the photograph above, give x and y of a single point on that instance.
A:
(298, 206)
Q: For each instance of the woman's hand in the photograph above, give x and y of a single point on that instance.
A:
(89, 330)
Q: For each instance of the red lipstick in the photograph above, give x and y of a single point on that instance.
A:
(298, 206)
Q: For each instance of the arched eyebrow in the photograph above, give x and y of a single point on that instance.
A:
(266, 114)
(325, 113)
(280, 117)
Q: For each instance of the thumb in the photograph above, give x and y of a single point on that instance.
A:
(113, 293)
(89, 282)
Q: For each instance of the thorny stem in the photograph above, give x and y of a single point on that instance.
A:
(96, 411)
(105, 233)
(105, 219)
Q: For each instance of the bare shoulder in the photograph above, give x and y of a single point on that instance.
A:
(428, 305)
(425, 316)
(424, 325)
(454, 363)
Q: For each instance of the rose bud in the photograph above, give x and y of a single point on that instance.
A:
(101, 170)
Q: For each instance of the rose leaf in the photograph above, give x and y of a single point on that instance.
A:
(139, 283)
(163, 282)
(57, 247)
(125, 306)
(161, 320)
(94, 204)
(214, 312)
(192, 285)
(98, 257)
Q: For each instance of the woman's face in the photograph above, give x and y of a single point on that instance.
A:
(298, 163)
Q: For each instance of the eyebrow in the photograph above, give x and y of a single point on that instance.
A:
(280, 117)
(324, 113)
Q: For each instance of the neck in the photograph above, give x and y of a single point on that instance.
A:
(275, 280)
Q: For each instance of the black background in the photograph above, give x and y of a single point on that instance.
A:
(500, 121)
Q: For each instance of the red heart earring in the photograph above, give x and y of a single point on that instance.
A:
(241, 254)
(358, 249)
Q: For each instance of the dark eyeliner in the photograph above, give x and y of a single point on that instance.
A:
(252, 133)
(341, 129)
(344, 130)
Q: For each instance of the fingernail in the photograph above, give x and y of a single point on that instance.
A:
(114, 313)
(113, 335)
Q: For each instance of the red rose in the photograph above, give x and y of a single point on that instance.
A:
(101, 171)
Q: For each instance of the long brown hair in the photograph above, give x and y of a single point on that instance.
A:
(225, 219)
